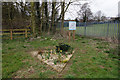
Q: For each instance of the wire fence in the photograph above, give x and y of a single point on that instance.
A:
(96, 29)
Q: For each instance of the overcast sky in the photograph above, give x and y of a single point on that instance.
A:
(108, 7)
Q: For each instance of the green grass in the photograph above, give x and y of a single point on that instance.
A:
(90, 59)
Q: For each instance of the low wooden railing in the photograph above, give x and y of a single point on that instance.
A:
(14, 31)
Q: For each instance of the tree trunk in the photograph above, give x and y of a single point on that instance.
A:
(37, 17)
(10, 14)
(53, 17)
(46, 17)
(63, 13)
(49, 24)
(33, 18)
(42, 11)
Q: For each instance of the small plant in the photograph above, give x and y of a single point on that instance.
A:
(69, 76)
(100, 47)
(94, 58)
(59, 56)
(48, 56)
(45, 56)
(51, 51)
(41, 56)
(71, 51)
(55, 61)
(42, 75)
(65, 55)
(9, 48)
(83, 42)
(61, 51)
(74, 61)
(24, 46)
(62, 47)
(107, 51)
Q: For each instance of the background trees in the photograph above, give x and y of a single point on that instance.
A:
(15, 15)
(85, 14)
(43, 17)
(40, 16)
(99, 16)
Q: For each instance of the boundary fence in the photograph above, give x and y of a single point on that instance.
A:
(11, 32)
(108, 29)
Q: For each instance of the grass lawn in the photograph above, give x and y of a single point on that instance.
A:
(93, 58)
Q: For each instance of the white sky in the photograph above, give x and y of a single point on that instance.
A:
(108, 7)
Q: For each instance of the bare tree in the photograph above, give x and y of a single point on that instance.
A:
(99, 16)
(85, 12)
(103, 18)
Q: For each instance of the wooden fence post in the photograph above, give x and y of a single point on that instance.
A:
(26, 33)
(69, 35)
(11, 34)
(73, 34)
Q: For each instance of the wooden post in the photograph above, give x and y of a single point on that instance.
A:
(69, 35)
(11, 34)
(26, 33)
(73, 34)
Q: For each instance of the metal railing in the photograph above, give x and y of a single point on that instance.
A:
(96, 29)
